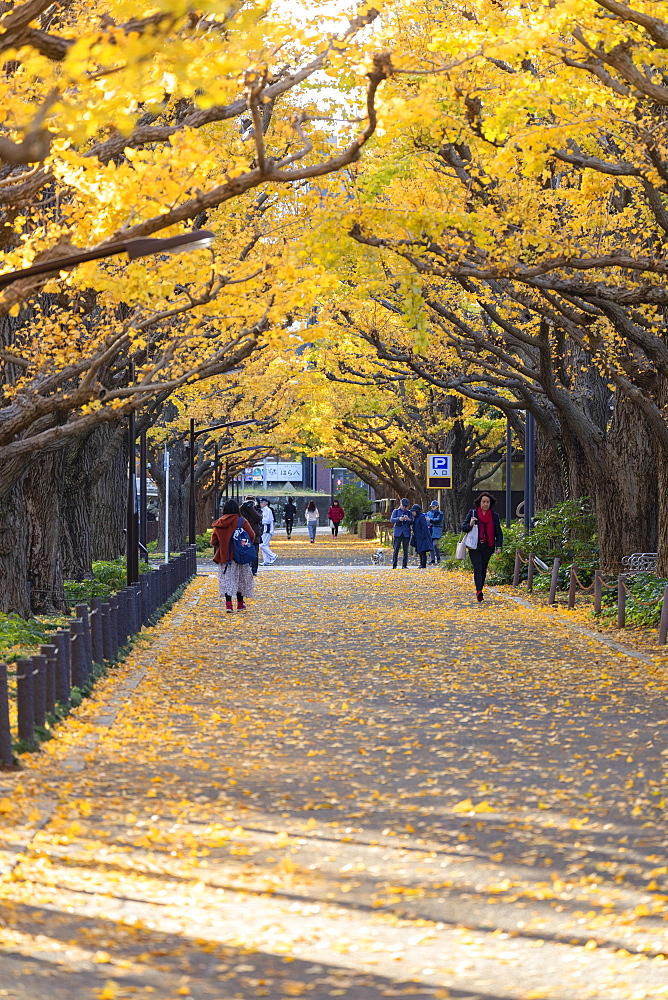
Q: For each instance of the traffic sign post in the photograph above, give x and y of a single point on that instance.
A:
(439, 472)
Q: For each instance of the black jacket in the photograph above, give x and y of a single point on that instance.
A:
(496, 520)
(289, 511)
(254, 518)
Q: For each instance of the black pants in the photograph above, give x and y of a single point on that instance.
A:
(335, 529)
(256, 560)
(398, 542)
(240, 596)
(289, 521)
(480, 559)
(423, 559)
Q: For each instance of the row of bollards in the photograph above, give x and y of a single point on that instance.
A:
(67, 662)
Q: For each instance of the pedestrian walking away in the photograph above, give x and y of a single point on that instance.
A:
(402, 519)
(268, 522)
(233, 577)
(251, 511)
(312, 516)
(336, 514)
(490, 537)
(435, 520)
(421, 536)
(289, 514)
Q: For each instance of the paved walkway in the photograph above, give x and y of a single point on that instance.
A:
(367, 786)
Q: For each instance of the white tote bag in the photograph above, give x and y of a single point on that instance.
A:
(460, 551)
(471, 538)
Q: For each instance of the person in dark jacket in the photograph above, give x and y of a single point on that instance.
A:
(402, 519)
(490, 537)
(250, 511)
(435, 519)
(421, 539)
(289, 515)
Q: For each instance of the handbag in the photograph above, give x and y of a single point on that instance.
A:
(471, 538)
(460, 551)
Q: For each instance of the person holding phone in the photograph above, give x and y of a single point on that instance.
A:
(402, 519)
(490, 537)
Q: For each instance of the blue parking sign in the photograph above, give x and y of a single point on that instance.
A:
(439, 472)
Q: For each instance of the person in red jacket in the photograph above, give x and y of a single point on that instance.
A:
(336, 513)
(231, 576)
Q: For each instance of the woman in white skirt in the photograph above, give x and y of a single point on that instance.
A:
(233, 578)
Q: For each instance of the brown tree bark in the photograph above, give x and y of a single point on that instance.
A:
(42, 491)
(14, 552)
(626, 485)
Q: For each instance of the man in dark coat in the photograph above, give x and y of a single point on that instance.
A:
(289, 514)
(421, 535)
(402, 519)
(249, 510)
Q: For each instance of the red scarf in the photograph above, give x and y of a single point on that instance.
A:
(485, 527)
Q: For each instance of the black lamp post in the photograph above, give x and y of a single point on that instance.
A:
(195, 240)
(132, 533)
(509, 472)
(529, 472)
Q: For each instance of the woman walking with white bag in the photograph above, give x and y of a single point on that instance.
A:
(483, 538)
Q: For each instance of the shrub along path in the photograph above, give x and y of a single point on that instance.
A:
(367, 786)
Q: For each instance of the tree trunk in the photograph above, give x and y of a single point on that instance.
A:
(455, 501)
(109, 498)
(626, 488)
(94, 500)
(42, 490)
(14, 553)
(551, 472)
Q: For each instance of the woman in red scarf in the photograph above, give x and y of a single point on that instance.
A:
(490, 537)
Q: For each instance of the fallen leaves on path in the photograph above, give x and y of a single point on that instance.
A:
(366, 786)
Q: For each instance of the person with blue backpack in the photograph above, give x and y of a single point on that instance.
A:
(234, 552)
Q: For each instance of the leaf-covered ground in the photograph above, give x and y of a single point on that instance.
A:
(367, 786)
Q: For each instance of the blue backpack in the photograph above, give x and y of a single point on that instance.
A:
(242, 550)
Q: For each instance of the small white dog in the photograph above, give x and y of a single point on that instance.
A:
(378, 557)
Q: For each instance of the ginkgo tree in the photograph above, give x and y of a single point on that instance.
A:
(515, 204)
(117, 127)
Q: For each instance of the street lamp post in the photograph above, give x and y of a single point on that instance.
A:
(529, 471)
(509, 472)
(131, 533)
(195, 240)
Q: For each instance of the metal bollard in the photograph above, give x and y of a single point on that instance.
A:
(554, 581)
(6, 752)
(621, 601)
(663, 624)
(136, 608)
(24, 703)
(97, 645)
(63, 666)
(39, 690)
(50, 653)
(530, 569)
(598, 591)
(81, 611)
(141, 598)
(106, 631)
(517, 571)
(115, 640)
(122, 615)
(78, 653)
(572, 587)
